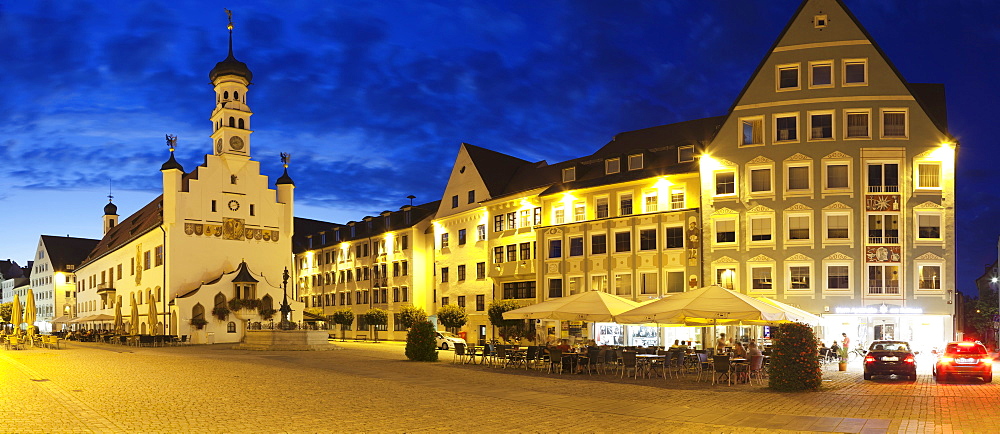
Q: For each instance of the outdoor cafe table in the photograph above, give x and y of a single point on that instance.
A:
(646, 362)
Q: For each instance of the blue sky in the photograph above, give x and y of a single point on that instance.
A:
(373, 99)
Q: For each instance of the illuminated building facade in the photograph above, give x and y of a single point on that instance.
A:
(53, 277)
(830, 186)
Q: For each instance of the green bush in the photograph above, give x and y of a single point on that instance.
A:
(376, 317)
(510, 329)
(410, 315)
(344, 317)
(794, 359)
(452, 317)
(421, 345)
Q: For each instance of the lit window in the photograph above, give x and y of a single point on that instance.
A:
(760, 229)
(838, 226)
(929, 226)
(928, 175)
(651, 201)
(761, 278)
(752, 131)
(579, 211)
(838, 277)
(725, 183)
(725, 231)
(602, 207)
(798, 277)
(786, 128)
(625, 204)
(677, 198)
(930, 277)
(798, 227)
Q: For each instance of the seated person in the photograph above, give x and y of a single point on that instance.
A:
(753, 350)
(738, 350)
(675, 345)
(563, 346)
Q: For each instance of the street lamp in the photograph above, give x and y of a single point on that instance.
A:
(286, 310)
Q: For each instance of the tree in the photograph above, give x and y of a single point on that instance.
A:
(410, 315)
(421, 346)
(794, 359)
(510, 329)
(6, 310)
(979, 316)
(344, 317)
(376, 317)
(452, 317)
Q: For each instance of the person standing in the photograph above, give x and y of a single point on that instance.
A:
(721, 344)
(846, 343)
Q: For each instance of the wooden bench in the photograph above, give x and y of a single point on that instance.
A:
(360, 337)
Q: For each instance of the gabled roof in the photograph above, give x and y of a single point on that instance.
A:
(65, 251)
(144, 220)
(928, 103)
(495, 168)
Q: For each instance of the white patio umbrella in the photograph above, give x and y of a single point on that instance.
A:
(711, 305)
(29, 311)
(135, 318)
(15, 316)
(151, 315)
(591, 306)
(795, 314)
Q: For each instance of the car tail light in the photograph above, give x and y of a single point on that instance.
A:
(987, 360)
(966, 344)
(946, 359)
(869, 359)
(909, 359)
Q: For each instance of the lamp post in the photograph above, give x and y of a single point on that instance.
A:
(286, 310)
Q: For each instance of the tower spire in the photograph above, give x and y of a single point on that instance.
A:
(229, 26)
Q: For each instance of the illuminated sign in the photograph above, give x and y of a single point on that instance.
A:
(883, 309)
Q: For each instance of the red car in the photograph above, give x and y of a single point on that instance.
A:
(964, 359)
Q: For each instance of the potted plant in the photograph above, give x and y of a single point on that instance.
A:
(267, 313)
(842, 352)
(221, 312)
(198, 323)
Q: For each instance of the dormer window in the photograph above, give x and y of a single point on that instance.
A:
(245, 291)
(612, 165)
(635, 162)
(569, 174)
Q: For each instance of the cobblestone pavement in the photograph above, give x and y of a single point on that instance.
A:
(89, 387)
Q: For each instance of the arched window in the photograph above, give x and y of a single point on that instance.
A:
(198, 311)
(266, 303)
(241, 124)
(236, 95)
(159, 294)
(220, 300)
(140, 298)
(232, 121)
(142, 328)
(225, 95)
(231, 327)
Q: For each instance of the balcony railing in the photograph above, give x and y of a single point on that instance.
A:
(883, 189)
(878, 287)
(883, 240)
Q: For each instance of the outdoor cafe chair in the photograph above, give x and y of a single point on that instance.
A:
(666, 365)
(756, 369)
(501, 356)
(459, 353)
(517, 357)
(703, 366)
(531, 356)
(721, 367)
(593, 359)
(486, 354)
(555, 360)
(471, 352)
(630, 361)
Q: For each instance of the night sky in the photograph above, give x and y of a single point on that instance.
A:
(373, 99)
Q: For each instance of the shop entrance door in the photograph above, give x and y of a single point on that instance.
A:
(885, 332)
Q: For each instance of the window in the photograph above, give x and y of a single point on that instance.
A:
(511, 220)
(480, 270)
(883, 279)
(752, 131)
(786, 128)
(788, 77)
(404, 241)
(685, 154)
(675, 281)
(837, 176)
(559, 215)
(930, 277)
(599, 283)
(480, 232)
(472, 196)
(725, 183)
(647, 239)
(575, 246)
(677, 200)
(538, 216)
(725, 231)
(821, 74)
(675, 237)
(498, 255)
(579, 211)
(928, 226)
(555, 288)
(883, 229)
(623, 284)
(883, 178)
(598, 244)
(651, 201)
(838, 277)
(635, 162)
(461, 237)
(838, 226)
(726, 277)
(526, 251)
(855, 72)
(524, 218)
(159, 256)
(444, 241)
(761, 279)
(498, 223)
(821, 126)
(798, 178)
(798, 227)
(858, 124)
(569, 174)
(480, 303)
(395, 269)
(555, 249)
(625, 204)
(405, 268)
(894, 123)
(575, 285)
(445, 301)
(929, 175)
(461, 273)
(444, 274)
(146, 262)
(612, 165)
(454, 201)
(511, 252)
(623, 242)
(760, 180)
(760, 229)
(461, 301)
(602, 208)
(519, 290)
(213, 206)
(798, 277)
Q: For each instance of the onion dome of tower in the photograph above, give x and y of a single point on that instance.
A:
(230, 66)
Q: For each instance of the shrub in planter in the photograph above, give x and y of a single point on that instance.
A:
(221, 312)
(198, 323)
(344, 317)
(452, 317)
(794, 359)
(421, 346)
(267, 314)
(376, 317)
(409, 315)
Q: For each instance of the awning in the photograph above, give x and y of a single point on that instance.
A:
(312, 317)
(62, 319)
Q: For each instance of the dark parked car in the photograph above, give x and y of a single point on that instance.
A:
(890, 357)
(964, 359)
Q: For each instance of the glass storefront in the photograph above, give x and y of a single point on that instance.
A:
(923, 332)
